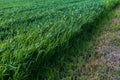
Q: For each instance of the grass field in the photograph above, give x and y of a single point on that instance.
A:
(33, 32)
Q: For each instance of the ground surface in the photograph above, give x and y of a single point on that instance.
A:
(107, 44)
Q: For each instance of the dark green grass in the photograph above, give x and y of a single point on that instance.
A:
(33, 31)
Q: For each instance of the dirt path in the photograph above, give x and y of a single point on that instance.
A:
(107, 67)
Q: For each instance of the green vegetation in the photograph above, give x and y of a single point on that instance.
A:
(34, 31)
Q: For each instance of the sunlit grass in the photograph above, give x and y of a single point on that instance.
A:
(32, 31)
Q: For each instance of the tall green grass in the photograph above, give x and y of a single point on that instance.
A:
(32, 30)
